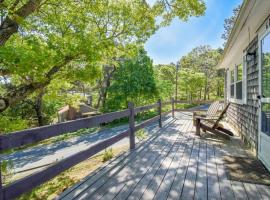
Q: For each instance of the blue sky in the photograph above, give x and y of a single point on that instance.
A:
(170, 43)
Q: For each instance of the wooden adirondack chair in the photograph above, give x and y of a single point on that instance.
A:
(211, 122)
(211, 112)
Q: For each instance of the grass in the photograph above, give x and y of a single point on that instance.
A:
(141, 134)
(7, 168)
(51, 189)
(107, 155)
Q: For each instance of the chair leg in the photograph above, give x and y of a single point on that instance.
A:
(194, 119)
(198, 128)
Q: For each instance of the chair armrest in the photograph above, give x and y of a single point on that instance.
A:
(207, 118)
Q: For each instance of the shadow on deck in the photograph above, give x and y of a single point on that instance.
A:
(173, 164)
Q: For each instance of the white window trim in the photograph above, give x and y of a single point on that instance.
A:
(244, 84)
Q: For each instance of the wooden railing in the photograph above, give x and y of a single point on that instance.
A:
(31, 136)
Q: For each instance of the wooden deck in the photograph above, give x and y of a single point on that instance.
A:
(173, 164)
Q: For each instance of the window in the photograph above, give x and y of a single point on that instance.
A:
(238, 84)
(232, 84)
(239, 72)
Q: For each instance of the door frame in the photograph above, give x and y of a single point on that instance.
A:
(261, 100)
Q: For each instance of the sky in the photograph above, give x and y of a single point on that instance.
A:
(170, 43)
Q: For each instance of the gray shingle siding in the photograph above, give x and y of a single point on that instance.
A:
(245, 117)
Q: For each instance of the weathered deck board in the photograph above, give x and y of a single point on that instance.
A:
(141, 170)
(251, 190)
(201, 180)
(165, 185)
(178, 182)
(138, 190)
(188, 190)
(115, 183)
(155, 183)
(212, 174)
(264, 191)
(93, 183)
(226, 190)
(173, 164)
(239, 190)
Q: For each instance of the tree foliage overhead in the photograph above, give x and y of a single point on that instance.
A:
(229, 23)
(50, 47)
(42, 40)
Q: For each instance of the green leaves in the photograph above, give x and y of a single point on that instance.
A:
(183, 9)
(61, 43)
(133, 81)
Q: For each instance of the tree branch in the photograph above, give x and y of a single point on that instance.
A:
(10, 26)
(22, 91)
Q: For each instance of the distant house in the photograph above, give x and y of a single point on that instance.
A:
(247, 84)
(71, 113)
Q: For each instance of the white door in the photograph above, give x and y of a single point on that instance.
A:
(264, 100)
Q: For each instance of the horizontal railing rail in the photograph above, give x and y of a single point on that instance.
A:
(145, 108)
(30, 136)
(194, 101)
(28, 183)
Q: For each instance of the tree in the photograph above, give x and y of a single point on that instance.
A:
(229, 23)
(203, 59)
(191, 83)
(165, 78)
(132, 81)
(61, 38)
(12, 13)
(15, 13)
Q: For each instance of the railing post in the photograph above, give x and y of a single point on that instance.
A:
(172, 107)
(160, 113)
(1, 185)
(131, 126)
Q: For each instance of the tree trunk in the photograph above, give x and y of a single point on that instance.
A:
(9, 26)
(38, 108)
(21, 92)
(105, 84)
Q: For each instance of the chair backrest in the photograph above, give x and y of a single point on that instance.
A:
(221, 116)
(213, 109)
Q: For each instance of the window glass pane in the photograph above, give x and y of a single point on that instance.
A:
(239, 72)
(265, 118)
(232, 90)
(232, 76)
(239, 90)
(266, 66)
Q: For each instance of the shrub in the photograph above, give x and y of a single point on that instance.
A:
(108, 154)
(141, 134)
(7, 170)
(9, 124)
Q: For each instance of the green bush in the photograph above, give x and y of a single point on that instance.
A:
(8, 124)
(141, 134)
(108, 154)
(7, 170)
